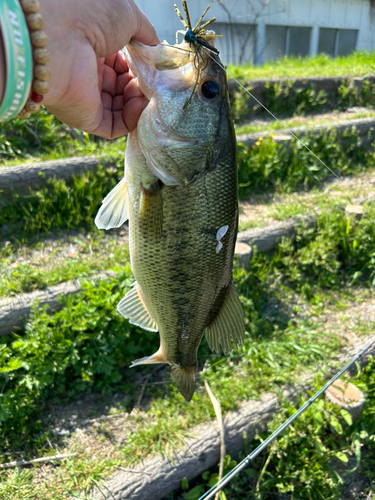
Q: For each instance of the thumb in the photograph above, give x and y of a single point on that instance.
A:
(146, 33)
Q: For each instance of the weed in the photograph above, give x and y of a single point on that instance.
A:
(286, 98)
(56, 264)
(326, 440)
(338, 251)
(84, 347)
(268, 166)
(58, 205)
(43, 136)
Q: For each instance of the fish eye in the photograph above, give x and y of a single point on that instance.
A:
(210, 89)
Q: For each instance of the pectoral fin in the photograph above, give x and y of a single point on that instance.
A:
(151, 213)
(155, 358)
(114, 210)
(133, 306)
(228, 324)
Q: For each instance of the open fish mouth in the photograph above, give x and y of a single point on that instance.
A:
(161, 68)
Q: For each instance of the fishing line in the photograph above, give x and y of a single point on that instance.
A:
(275, 117)
(226, 479)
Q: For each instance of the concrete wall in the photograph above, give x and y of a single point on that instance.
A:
(248, 25)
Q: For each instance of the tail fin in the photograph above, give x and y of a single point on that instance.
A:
(184, 378)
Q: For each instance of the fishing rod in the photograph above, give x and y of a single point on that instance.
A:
(226, 479)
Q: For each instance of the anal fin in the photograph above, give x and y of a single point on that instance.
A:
(228, 324)
(114, 209)
(133, 306)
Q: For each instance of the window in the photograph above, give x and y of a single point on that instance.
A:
(299, 44)
(275, 42)
(335, 42)
(347, 42)
(327, 40)
(286, 40)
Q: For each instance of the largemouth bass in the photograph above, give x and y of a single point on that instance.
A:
(180, 196)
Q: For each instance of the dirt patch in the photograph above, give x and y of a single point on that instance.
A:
(333, 117)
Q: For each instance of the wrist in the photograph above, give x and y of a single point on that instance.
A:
(17, 58)
(2, 69)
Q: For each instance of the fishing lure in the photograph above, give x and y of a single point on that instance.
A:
(195, 36)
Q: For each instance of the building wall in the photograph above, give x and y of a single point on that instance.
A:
(254, 32)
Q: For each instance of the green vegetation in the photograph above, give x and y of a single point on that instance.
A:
(45, 266)
(339, 251)
(330, 449)
(287, 99)
(84, 347)
(87, 346)
(269, 166)
(43, 137)
(308, 122)
(356, 64)
(265, 167)
(58, 205)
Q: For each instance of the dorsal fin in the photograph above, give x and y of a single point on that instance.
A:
(114, 209)
(133, 306)
(229, 323)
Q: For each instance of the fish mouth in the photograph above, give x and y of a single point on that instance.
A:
(160, 67)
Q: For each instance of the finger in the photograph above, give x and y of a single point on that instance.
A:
(109, 80)
(131, 90)
(130, 115)
(120, 66)
(110, 61)
(122, 82)
(105, 127)
(119, 123)
(117, 62)
(107, 100)
(146, 32)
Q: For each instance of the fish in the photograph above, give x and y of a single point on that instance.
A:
(179, 193)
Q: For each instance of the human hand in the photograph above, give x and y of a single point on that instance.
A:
(91, 87)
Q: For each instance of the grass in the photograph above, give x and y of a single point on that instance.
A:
(307, 122)
(272, 354)
(59, 205)
(87, 346)
(331, 450)
(272, 167)
(26, 269)
(279, 207)
(43, 137)
(357, 64)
